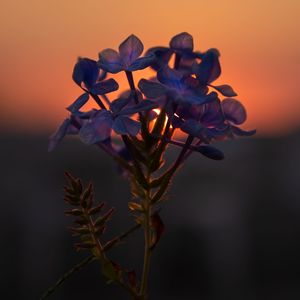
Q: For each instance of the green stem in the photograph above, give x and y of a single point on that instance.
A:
(86, 261)
(147, 234)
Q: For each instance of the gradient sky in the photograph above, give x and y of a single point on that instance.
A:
(259, 41)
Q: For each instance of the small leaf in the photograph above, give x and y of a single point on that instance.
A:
(80, 230)
(104, 87)
(83, 246)
(96, 209)
(157, 227)
(226, 90)
(74, 212)
(132, 279)
(135, 206)
(103, 219)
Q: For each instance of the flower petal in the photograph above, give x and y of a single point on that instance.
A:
(170, 77)
(78, 103)
(209, 69)
(226, 90)
(58, 135)
(117, 105)
(86, 71)
(97, 129)
(104, 87)
(141, 106)
(110, 61)
(192, 127)
(182, 41)
(130, 50)
(212, 114)
(240, 132)
(151, 89)
(162, 57)
(141, 63)
(234, 111)
(124, 125)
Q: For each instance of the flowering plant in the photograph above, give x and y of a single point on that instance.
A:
(144, 119)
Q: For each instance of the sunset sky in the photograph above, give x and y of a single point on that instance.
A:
(259, 41)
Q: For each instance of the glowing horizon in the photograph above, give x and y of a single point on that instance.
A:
(41, 40)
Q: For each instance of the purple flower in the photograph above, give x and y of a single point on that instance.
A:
(66, 127)
(182, 45)
(182, 90)
(127, 59)
(87, 72)
(100, 125)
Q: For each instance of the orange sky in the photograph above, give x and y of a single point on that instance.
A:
(259, 41)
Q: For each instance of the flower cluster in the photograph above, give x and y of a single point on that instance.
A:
(184, 93)
(135, 129)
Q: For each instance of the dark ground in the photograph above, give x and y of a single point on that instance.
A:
(232, 227)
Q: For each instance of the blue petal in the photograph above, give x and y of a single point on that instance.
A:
(226, 90)
(192, 98)
(170, 77)
(141, 63)
(141, 106)
(212, 114)
(209, 69)
(210, 152)
(97, 129)
(234, 111)
(78, 103)
(162, 57)
(104, 87)
(58, 135)
(130, 50)
(102, 75)
(239, 132)
(151, 89)
(124, 125)
(117, 105)
(86, 71)
(192, 127)
(110, 61)
(182, 41)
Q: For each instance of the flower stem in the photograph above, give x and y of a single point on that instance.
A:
(147, 234)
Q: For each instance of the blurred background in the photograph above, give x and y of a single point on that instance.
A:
(232, 227)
